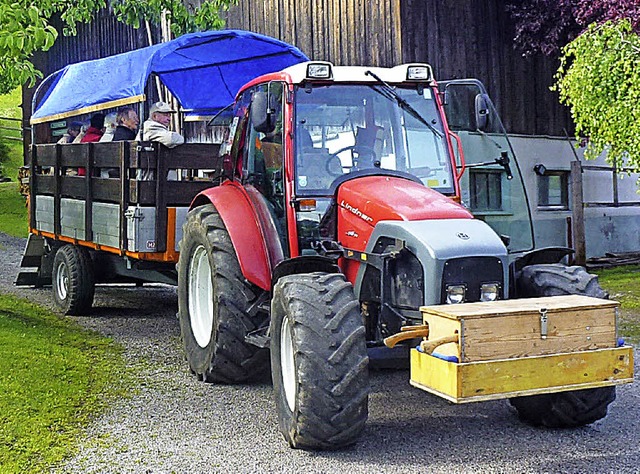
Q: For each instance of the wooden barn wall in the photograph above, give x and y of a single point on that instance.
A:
(103, 37)
(460, 38)
(344, 32)
(473, 38)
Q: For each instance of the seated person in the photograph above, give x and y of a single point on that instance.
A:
(73, 130)
(127, 124)
(93, 134)
(96, 129)
(109, 127)
(156, 127)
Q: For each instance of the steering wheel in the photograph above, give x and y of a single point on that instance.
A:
(360, 152)
(334, 166)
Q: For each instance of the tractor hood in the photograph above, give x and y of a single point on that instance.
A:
(377, 198)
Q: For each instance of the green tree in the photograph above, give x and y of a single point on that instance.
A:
(25, 26)
(599, 79)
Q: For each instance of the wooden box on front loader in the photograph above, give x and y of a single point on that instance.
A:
(521, 347)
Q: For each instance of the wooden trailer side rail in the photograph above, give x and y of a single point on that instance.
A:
(123, 173)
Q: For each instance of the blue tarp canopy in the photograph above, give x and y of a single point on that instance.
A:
(204, 71)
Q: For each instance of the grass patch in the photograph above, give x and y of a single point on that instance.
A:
(14, 219)
(54, 378)
(623, 285)
(13, 213)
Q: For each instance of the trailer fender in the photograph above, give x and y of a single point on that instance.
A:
(242, 222)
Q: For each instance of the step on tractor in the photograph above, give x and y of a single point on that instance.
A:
(353, 217)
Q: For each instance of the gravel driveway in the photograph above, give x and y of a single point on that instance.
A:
(176, 424)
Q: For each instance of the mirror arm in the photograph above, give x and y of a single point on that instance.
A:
(502, 161)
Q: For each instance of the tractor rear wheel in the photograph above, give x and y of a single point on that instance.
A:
(562, 409)
(319, 361)
(214, 303)
(73, 280)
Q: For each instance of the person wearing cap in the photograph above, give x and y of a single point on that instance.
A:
(156, 127)
(72, 132)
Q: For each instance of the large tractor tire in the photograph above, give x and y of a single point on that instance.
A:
(73, 280)
(215, 303)
(319, 361)
(562, 409)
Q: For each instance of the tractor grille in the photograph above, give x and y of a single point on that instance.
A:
(472, 272)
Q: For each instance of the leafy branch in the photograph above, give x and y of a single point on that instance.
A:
(599, 79)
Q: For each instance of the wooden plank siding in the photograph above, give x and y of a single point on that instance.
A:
(473, 38)
(459, 38)
(345, 32)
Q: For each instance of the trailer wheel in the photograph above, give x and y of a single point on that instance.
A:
(214, 301)
(562, 409)
(73, 280)
(319, 361)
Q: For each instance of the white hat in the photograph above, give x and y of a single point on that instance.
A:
(161, 107)
(110, 121)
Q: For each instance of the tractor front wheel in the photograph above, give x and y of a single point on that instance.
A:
(319, 361)
(562, 409)
(215, 303)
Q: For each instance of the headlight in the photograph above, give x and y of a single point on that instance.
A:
(489, 292)
(455, 294)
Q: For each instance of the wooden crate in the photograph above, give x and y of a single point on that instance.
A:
(505, 350)
(515, 328)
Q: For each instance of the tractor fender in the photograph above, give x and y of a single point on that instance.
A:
(545, 255)
(542, 255)
(243, 223)
(304, 264)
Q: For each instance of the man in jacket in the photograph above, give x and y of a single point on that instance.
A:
(127, 124)
(156, 128)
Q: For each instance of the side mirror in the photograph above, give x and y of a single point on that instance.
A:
(482, 111)
(262, 112)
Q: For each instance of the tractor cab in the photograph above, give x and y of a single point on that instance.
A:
(335, 125)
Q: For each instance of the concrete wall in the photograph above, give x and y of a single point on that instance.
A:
(608, 229)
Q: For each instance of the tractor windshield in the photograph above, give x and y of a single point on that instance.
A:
(341, 129)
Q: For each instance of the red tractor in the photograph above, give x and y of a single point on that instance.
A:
(344, 210)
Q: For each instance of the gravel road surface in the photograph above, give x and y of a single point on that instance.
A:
(176, 424)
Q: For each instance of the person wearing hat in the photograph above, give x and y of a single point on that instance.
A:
(156, 128)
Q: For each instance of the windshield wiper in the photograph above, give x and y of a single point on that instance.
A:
(389, 92)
